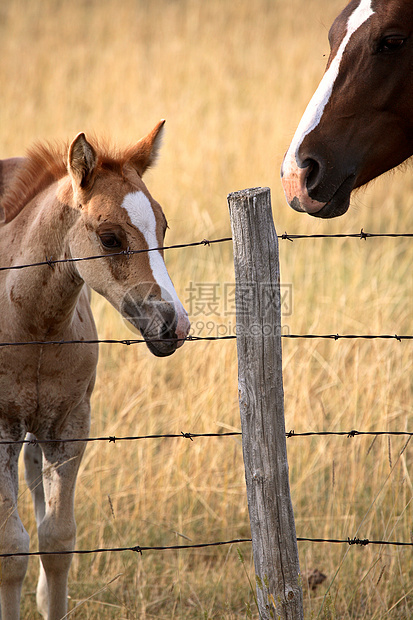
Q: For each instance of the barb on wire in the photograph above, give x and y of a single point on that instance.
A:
(363, 542)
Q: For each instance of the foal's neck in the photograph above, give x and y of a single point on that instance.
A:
(48, 294)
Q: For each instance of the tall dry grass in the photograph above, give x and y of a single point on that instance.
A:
(232, 79)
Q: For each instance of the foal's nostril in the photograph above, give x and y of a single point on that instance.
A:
(168, 331)
(168, 324)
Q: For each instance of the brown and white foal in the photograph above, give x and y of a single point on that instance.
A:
(59, 203)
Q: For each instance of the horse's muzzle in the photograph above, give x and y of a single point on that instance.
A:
(164, 346)
(310, 190)
(294, 182)
(157, 321)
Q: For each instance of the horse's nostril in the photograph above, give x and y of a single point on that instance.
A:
(168, 325)
(313, 174)
(168, 331)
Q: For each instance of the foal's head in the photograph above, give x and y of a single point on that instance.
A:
(359, 122)
(117, 213)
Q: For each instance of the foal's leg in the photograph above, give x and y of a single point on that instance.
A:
(57, 529)
(13, 536)
(33, 465)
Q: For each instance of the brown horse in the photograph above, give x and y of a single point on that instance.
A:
(77, 201)
(359, 123)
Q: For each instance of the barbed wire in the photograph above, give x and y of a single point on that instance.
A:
(362, 542)
(51, 262)
(350, 336)
(113, 438)
(348, 434)
(136, 548)
(133, 341)
(361, 235)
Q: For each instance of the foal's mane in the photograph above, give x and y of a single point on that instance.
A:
(45, 164)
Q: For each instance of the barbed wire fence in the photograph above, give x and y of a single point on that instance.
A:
(292, 434)
(51, 262)
(361, 542)
(188, 435)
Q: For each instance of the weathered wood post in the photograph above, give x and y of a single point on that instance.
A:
(261, 401)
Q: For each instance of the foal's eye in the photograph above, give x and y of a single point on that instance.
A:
(391, 44)
(110, 241)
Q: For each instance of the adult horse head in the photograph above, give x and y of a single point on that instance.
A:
(359, 123)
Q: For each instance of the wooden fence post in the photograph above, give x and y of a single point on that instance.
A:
(261, 401)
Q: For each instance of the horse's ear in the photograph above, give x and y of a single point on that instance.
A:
(81, 162)
(146, 151)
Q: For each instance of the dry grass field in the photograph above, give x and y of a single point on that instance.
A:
(232, 79)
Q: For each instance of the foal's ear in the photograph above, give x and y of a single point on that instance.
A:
(146, 151)
(81, 162)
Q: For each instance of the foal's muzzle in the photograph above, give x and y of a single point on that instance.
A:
(156, 320)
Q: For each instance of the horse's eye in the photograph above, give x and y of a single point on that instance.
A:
(110, 241)
(391, 44)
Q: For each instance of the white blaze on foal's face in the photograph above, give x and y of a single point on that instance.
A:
(141, 214)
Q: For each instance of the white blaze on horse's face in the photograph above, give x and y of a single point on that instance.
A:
(141, 214)
(294, 171)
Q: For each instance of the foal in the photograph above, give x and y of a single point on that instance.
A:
(62, 203)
